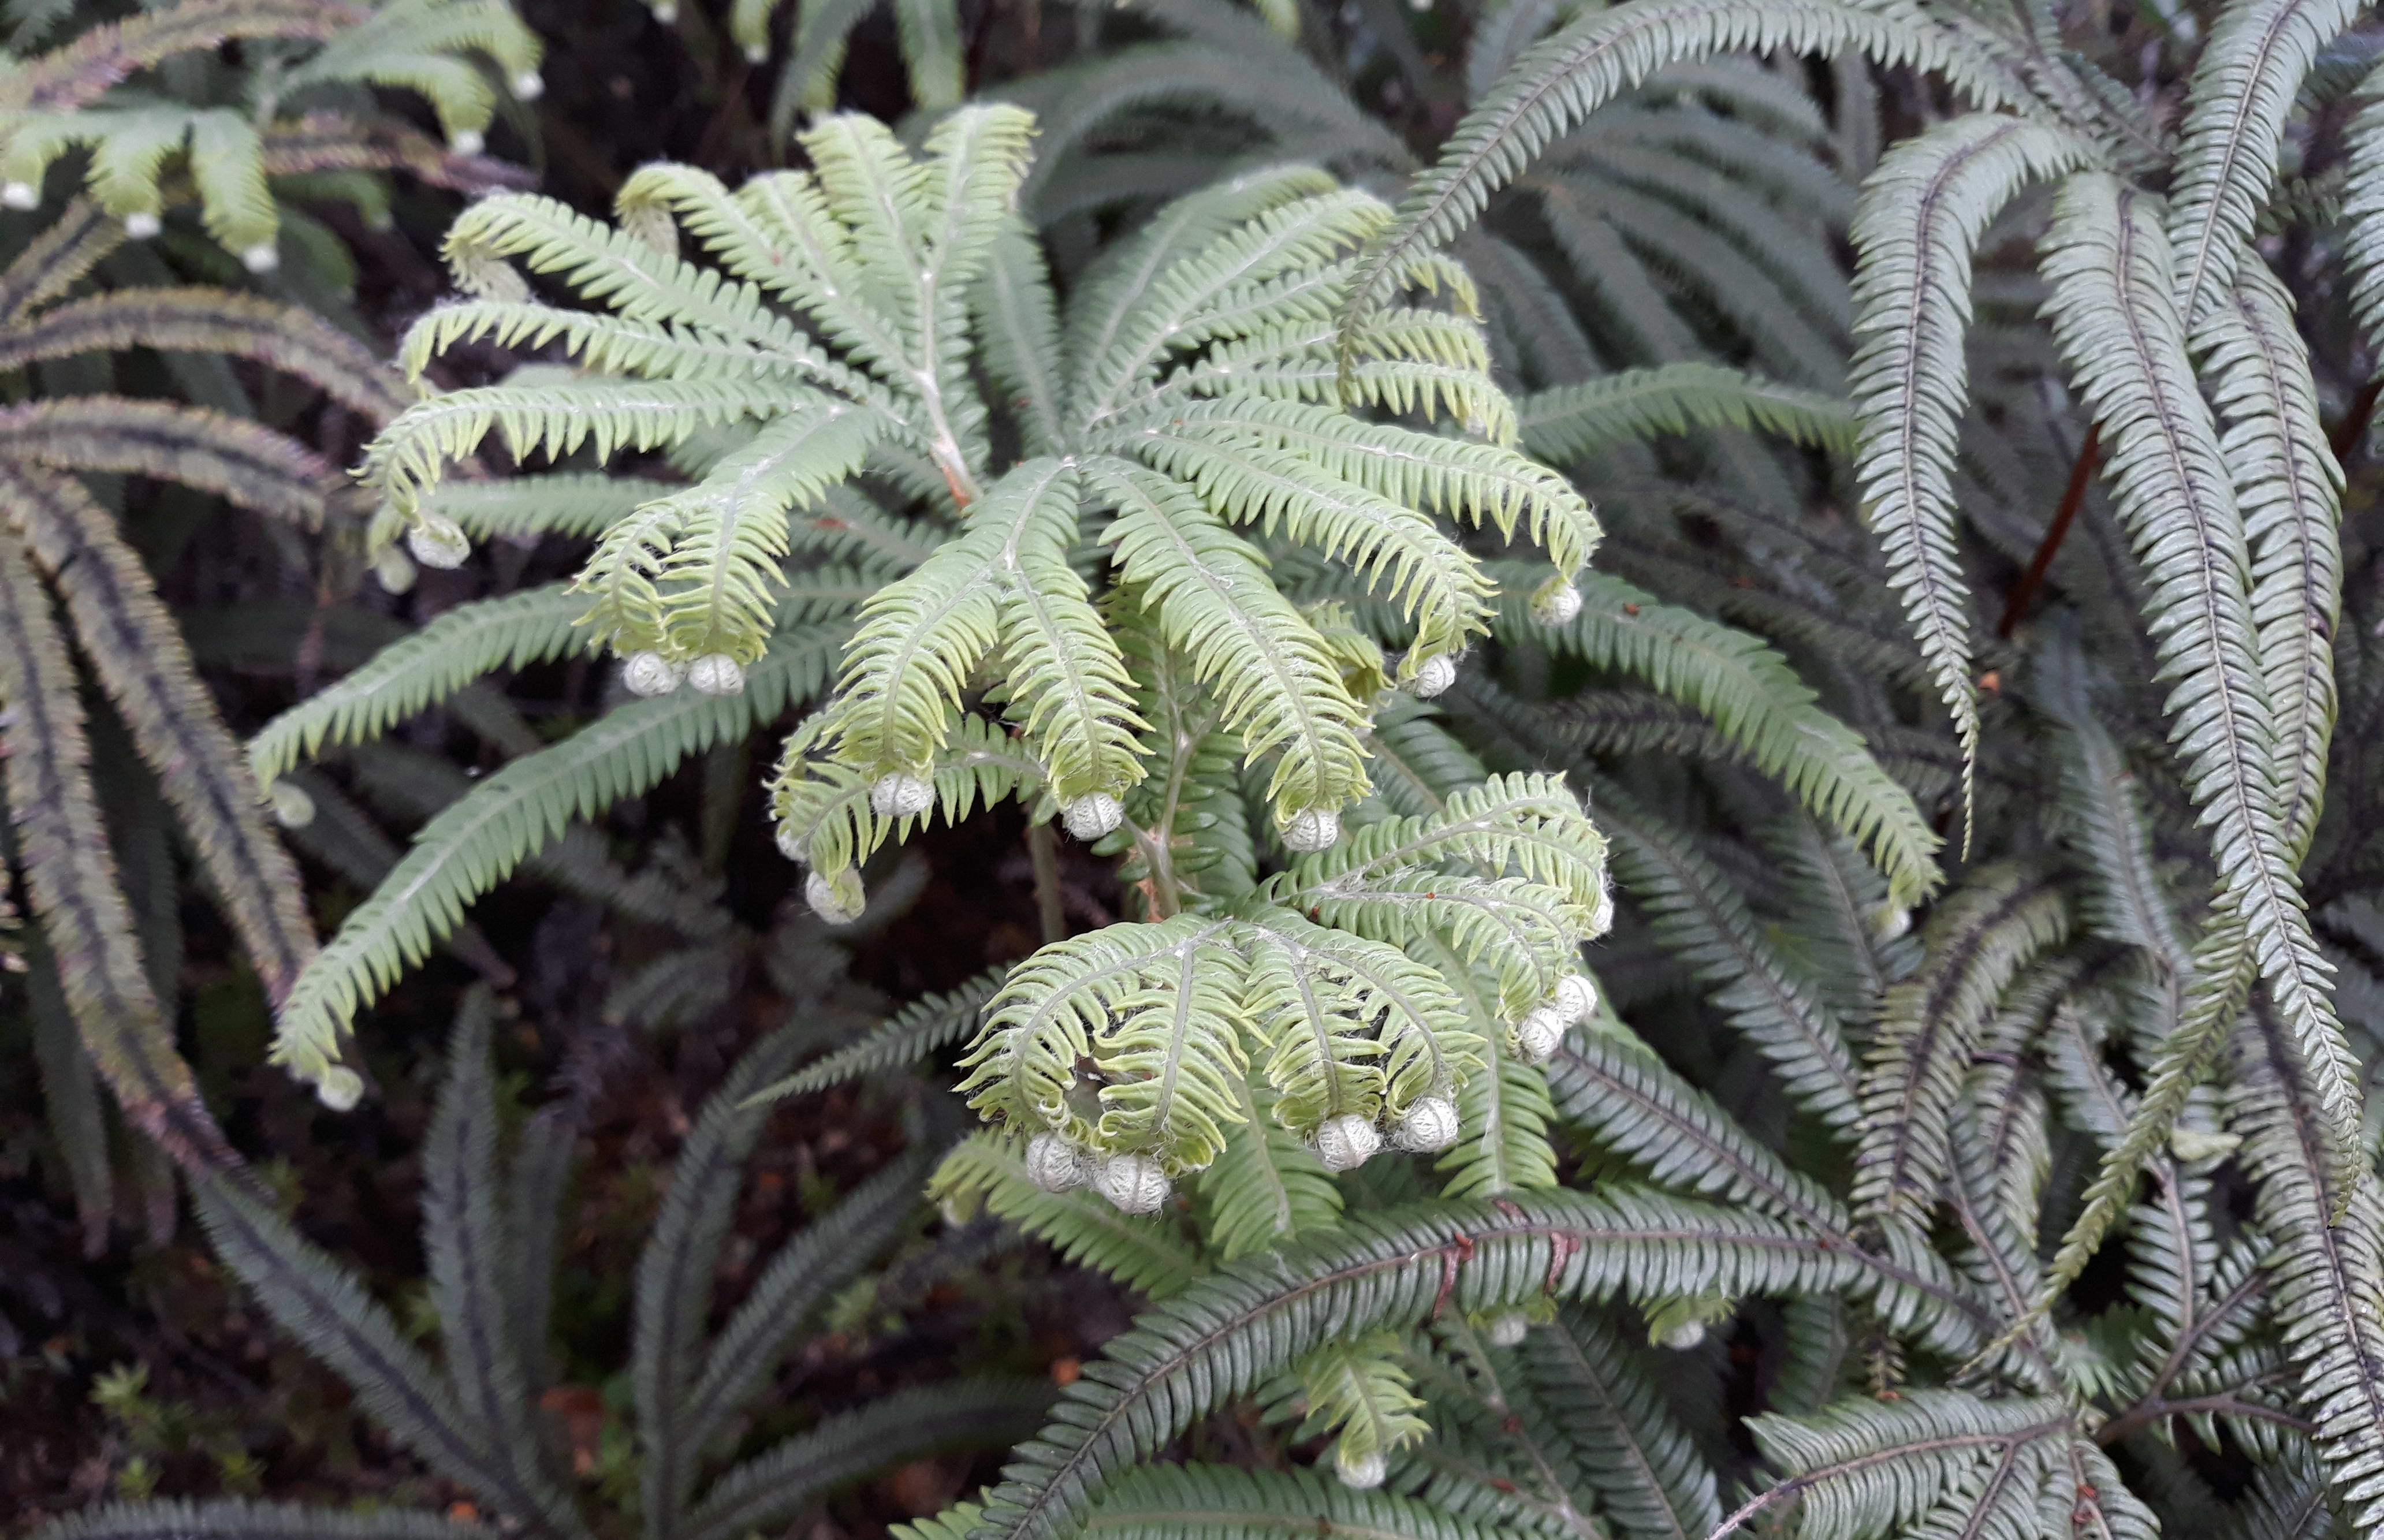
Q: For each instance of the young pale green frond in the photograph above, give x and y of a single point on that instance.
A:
(474, 638)
(475, 844)
(1437, 587)
(696, 575)
(1757, 701)
(1106, 996)
(2244, 87)
(412, 454)
(2119, 329)
(1145, 1252)
(430, 48)
(1350, 1027)
(1267, 1188)
(1565, 424)
(1917, 228)
(1358, 1390)
(1529, 825)
(832, 817)
(1477, 483)
(1216, 606)
(1929, 1026)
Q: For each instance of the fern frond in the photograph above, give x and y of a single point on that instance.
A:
(2330, 1257)
(1437, 586)
(2290, 489)
(249, 465)
(1279, 691)
(412, 454)
(2118, 326)
(1557, 83)
(1651, 1481)
(473, 639)
(1571, 421)
(1221, 1502)
(1267, 1186)
(463, 1227)
(240, 1518)
(2243, 91)
(1615, 1088)
(931, 1022)
(1154, 1008)
(1225, 1335)
(1144, 1252)
(1929, 1024)
(139, 658)
(1478, 483)
(328, 1311)
(803, 1273)
(1700, 915)
(672, 1295)
(474, 845)
(895, 1429)
(1910, 377)
(1755, 700)
(282, 337)
(1864, 1467)
(828, 813)
(697, 573)
(70, 876)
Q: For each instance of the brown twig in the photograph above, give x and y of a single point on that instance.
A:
(2029, 581)
(2354, 422)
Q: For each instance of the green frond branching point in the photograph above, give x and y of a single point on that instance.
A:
(1179, 418)
(1123, 1055)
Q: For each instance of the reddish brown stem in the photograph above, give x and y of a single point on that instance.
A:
(2080, 474)
(2354, 423)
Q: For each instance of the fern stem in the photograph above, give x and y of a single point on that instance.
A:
(1043, 849)
(2081, 472)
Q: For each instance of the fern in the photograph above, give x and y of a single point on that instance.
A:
(65, 99)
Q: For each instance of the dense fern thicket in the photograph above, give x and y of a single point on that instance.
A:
(1494, 768)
